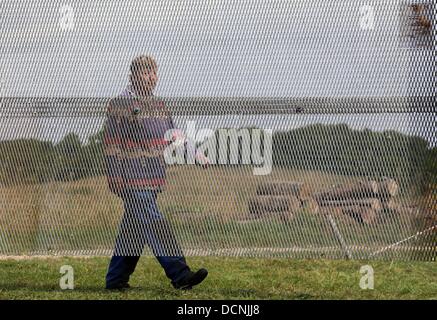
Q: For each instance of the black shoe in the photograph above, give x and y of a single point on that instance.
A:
(190, 280)
(119, 286)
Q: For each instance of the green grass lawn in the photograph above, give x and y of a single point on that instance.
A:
(229, 278)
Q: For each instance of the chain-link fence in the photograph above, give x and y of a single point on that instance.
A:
(318, 122)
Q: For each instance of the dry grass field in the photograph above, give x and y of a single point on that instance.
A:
(208, 208)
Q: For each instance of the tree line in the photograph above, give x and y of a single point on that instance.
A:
(30, 161)
(335, 149)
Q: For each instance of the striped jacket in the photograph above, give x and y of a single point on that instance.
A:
(134, 142)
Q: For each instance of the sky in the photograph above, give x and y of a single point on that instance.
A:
(226, 48)
(256, 48)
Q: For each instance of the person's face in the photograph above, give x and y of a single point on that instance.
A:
(146, 80)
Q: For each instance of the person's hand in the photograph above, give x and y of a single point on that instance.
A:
(178, 137)
(206, 164)
(202, 160)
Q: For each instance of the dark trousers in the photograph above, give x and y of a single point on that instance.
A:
(142, 224)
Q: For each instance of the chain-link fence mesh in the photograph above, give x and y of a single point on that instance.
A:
(318, 120)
